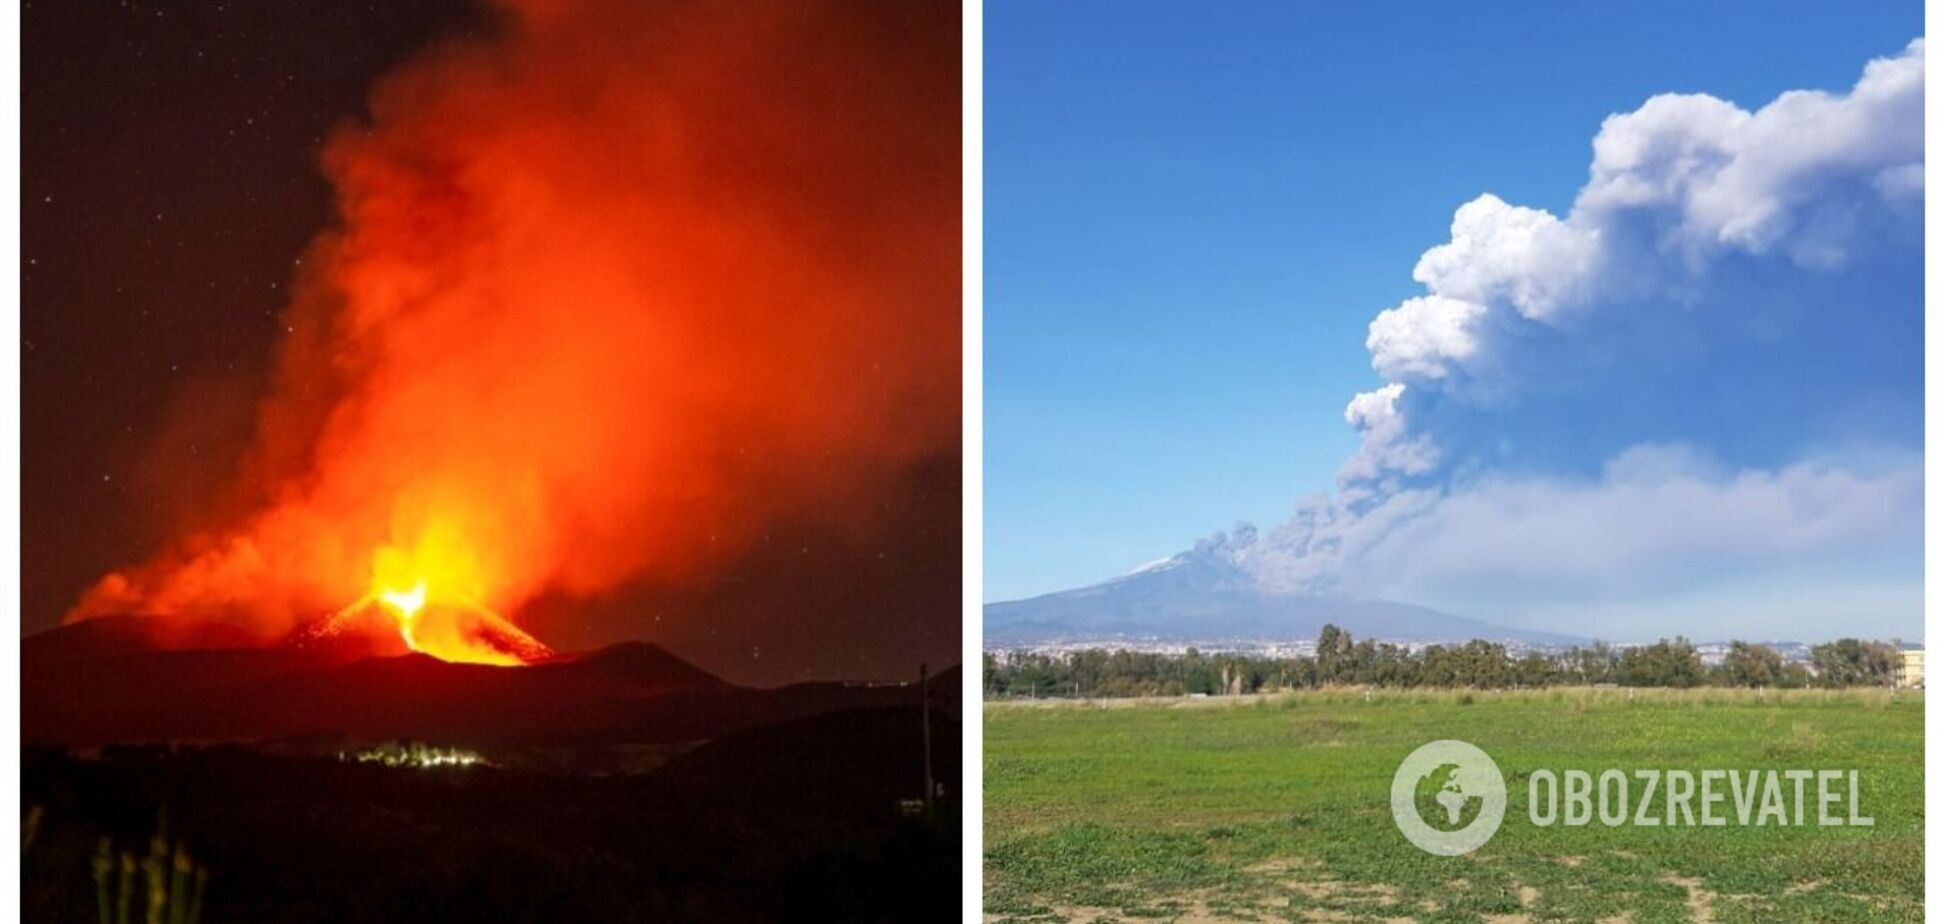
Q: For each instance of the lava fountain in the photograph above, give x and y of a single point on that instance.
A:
(450, 629)
(445, 624)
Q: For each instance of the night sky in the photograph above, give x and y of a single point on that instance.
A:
(169, 185)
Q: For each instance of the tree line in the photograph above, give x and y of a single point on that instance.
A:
(1340, 659)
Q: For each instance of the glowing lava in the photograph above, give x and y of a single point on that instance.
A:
(454, 629)
(431, 591)
(406, 604)
(429, 616)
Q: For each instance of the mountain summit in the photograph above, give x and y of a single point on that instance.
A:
(1209, 593)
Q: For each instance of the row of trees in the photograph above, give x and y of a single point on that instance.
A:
(1340, 659)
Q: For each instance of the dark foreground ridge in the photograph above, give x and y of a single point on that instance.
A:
(618, 784)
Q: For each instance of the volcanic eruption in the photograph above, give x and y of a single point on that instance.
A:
(448, 628)
(610, 287)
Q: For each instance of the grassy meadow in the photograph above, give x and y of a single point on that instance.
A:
(1275, 808)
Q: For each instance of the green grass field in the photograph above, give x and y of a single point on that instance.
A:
(1277, 809)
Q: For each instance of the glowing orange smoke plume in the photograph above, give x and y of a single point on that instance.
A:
(610, 288)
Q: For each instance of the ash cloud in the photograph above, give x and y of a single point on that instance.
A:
(1709, 369)
(612, 287)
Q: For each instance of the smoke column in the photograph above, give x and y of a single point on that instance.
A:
(1710, 366)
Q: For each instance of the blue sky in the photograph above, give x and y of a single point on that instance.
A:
(1193, 214)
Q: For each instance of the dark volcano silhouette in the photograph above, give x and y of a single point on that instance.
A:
(103, 682)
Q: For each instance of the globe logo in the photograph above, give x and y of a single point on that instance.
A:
(1448, 798)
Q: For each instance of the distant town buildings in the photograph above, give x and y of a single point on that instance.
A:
(413, 754)
(1910, 668)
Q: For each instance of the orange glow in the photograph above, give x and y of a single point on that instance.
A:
(612, 287)
(451, 629)
(425, 601)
